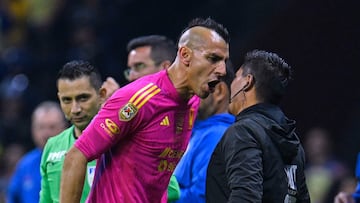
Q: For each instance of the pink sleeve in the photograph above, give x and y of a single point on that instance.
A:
(109, 126)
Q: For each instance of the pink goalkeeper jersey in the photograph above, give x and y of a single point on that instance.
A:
(140, 135)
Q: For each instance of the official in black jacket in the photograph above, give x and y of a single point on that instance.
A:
(259, 159)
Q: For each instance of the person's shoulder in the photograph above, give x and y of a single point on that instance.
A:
(33, 154)
(154, 79)
(158, 79)
(140, 85)
(244, 121)
(222, 119)
(29, 157)
(243, 127)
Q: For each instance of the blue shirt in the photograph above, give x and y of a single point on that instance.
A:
(24, 185)
(191, 170)
(356, 195)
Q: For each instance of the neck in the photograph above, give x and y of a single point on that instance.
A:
(249, 100)
(77, 132)
(179, 81)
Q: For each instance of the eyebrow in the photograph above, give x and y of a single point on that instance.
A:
(82, 95)
(217, 57)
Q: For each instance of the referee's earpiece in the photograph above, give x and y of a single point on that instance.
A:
(243, 89)
(249, 83)
(246, 87)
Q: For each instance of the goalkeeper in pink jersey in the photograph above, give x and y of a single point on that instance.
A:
(142, 131)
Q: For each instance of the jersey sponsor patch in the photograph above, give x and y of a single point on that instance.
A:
(90, 174)
(110, 127)
(127, 112)
(169, 158)
(56, 156)
(142, 96)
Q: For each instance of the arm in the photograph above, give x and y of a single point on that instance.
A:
(191, 174)
(243, 159)
(195, 191)
(73, 176)
(303, 193)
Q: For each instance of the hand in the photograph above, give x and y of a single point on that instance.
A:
(110, 85)
(344, 197)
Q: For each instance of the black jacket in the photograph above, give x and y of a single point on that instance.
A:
(259, 159)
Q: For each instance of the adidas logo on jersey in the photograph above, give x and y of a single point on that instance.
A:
(165, 121)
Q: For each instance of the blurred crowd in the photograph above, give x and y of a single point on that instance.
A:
(38, 36)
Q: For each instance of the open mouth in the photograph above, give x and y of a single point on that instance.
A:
(212, 85)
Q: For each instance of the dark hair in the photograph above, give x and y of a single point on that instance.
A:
(162, 48)
(210, 24)
(271, 74)
(77, 69)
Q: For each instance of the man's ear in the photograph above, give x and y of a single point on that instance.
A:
(185, 55)
(221, 91)
(249, 83)
(103, 95)
(165, 64)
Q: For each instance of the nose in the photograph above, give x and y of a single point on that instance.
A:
(221, 69)
(132, 76)
(75, 107)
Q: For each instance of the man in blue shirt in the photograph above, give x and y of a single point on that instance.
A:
(344, 197)
(47, 120)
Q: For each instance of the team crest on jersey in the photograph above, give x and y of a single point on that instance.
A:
(127, 112)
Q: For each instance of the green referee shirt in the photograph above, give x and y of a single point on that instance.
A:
(173, 190)
(52, 162)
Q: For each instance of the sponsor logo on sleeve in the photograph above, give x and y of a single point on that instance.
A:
(110, 127)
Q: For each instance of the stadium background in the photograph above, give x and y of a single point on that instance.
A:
(319, 39)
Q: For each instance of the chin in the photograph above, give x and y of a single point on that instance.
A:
(81, 126)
